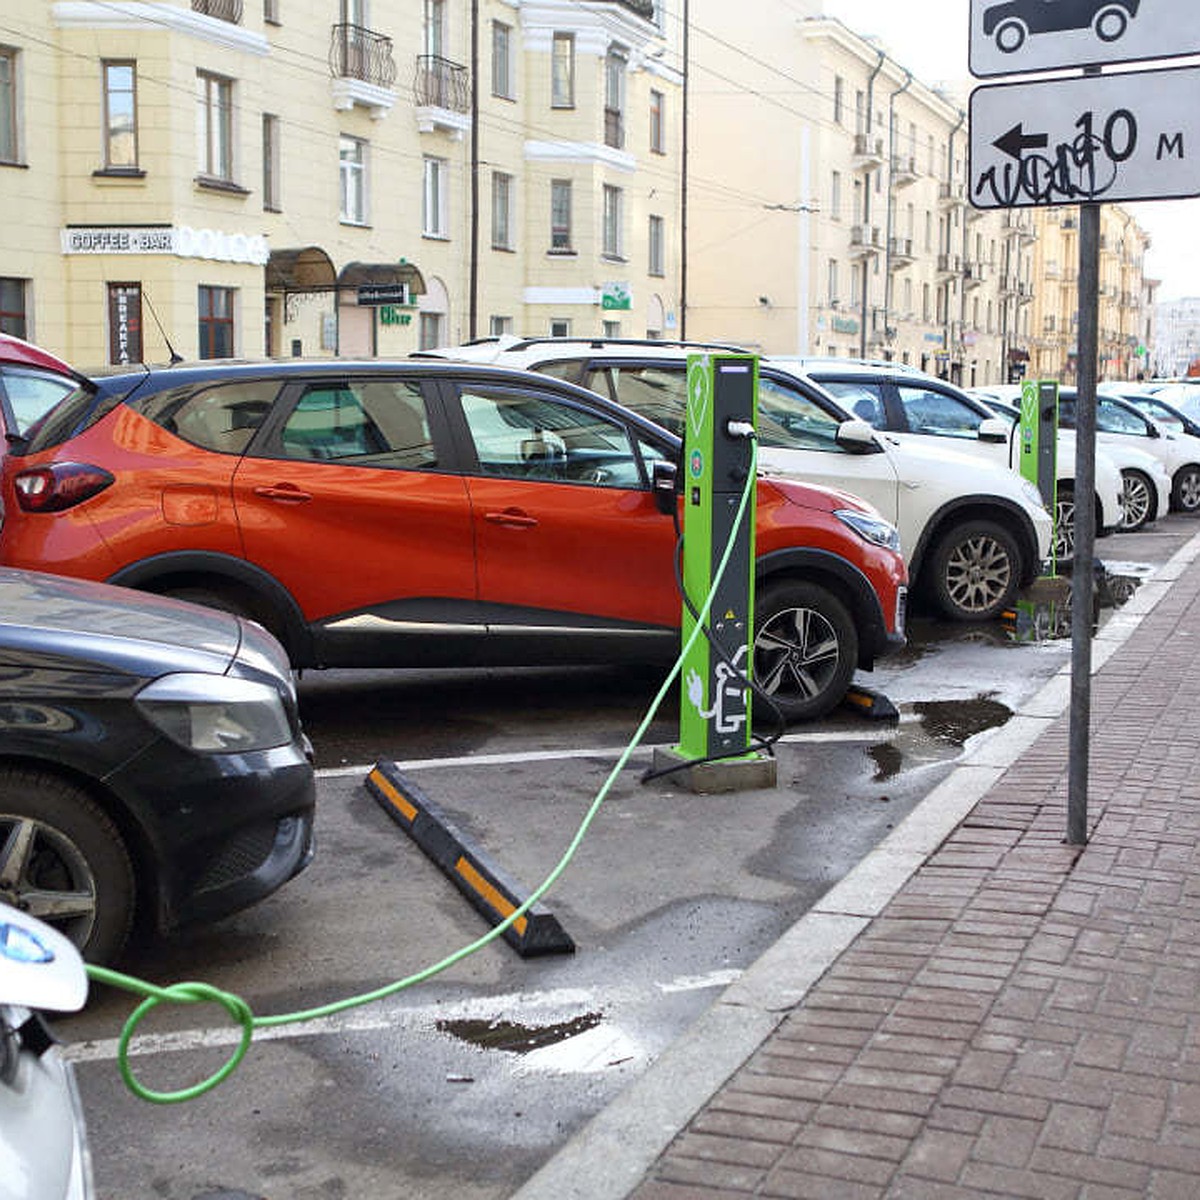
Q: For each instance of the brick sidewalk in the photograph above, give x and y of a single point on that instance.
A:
(1023, 1018)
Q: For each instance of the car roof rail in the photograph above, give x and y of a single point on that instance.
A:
(599, 343)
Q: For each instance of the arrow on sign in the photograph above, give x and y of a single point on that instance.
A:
(1016, 141)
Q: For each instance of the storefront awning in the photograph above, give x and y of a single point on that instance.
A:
(307, 269)
(360, 274)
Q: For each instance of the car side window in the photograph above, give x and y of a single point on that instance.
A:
(367, 422)
(31, 394)
(1112, 418)
(930, 411)
(789, 419)
(863, 400)
(655, 392)
(519, 436)
(222, 418)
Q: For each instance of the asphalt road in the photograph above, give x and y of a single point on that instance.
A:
(463, 1084)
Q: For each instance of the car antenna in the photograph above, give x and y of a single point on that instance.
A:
(175, 358)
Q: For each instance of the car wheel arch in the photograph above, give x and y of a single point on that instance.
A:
(260, 593)
(978, 508)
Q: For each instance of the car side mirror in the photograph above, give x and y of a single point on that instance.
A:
(39, 968)
(858, 437)
(994, 429)
(664, 479)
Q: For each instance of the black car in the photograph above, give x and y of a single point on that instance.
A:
(153, 771)
(1011, 22)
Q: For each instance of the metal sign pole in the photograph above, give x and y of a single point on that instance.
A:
(1082, 575)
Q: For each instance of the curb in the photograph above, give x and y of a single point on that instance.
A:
(611, 1154)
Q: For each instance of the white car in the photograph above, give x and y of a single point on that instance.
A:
(915, 406)
(43, 1138)
(971, 535)
(1177, 445)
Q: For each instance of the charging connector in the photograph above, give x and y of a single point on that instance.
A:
(740, 429)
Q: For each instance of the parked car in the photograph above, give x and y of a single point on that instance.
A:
(152, 764)
(972, 534)
(430, 514)
(43, 1134)
(1177, 427)
(32, 380)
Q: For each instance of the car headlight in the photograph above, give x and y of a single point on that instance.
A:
(874, 529)
(216, 714)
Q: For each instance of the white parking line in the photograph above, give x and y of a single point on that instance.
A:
(527, 756)
(566, 1001)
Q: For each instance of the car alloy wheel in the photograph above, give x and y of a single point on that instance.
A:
(976, 569)
(1064, 524)
(805, 648)
(1185, 494)
(1137, 500)
(63, 861)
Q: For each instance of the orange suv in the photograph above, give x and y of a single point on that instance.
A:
(429, 514)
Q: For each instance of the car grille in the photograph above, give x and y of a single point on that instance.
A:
(241, 856)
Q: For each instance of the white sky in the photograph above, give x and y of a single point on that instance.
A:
(930, 38)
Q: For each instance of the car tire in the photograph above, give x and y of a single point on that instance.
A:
(1185, 489)
(1064, 524)
(805, 648)
(1138, 500)
(1110, 23)
(56, 845)
(1010, 36)
(976, 568)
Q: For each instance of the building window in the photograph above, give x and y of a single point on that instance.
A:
(271, 12)
(658, 136)
(431, 330)
(839, 99)
(560, 214)
(216, 322)
(9, 143)
(120, 116)
(12, 307)
(502, 63)
(834, 296)
(611, 329)
(560, 327)
(657, 249)
(614, 100)
(435, 27)
(502, 194)
(352, 166)
(124, 323)
(613, 203)
(500, 326)
(835, 196)
(562, 71)
(214, 126)
(270, 163)
(433, 215)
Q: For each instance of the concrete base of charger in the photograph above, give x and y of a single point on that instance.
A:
(728, 775)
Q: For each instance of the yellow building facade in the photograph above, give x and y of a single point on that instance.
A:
(246, 177)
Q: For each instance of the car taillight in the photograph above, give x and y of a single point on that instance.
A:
(58, 486)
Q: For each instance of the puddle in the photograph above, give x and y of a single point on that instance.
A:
(1043, 611)
(944, 724)
(518, 1039)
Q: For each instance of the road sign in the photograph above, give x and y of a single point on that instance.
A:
(1010, 37)
(1104, 138)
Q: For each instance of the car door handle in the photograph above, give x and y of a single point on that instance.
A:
(514, 518)
(286, 492)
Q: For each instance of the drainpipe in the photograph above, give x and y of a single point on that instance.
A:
(866, 213)
(962, 117)
(891, 208)
(473, 287)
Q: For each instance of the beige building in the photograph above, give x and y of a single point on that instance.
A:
(239, 177)
(1125, 318)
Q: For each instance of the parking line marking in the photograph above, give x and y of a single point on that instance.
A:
(414, 1019)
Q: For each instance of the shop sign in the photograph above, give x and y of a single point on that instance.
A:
(389, 314)
(845, 325)
(616, 297)
(375, 294)
(125, 322)
(182, 241)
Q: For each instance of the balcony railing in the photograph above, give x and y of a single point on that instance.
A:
(441, 83)
(223, 10)
(358, 53)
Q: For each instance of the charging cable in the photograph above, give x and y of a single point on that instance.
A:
(240, 1011)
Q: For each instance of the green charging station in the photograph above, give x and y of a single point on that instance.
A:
(1041, 613)
(715, 702)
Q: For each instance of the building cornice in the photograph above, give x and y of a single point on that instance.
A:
(153, 15)
(580, 152)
